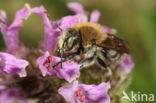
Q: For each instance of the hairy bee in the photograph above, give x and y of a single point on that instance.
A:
(87, 43)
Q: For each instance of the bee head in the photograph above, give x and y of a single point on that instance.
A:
(68, 41)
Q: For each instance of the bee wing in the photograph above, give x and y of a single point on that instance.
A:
(115, 43)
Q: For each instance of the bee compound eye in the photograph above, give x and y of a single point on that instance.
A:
(70, 42)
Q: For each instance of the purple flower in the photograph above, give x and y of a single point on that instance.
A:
(10, 64)
(82, 93)
(10, 96)
(69, 71)
(109, 30)
(50, 33)
(95, 16)
(10, 33)
(126, 65)
(76, 7)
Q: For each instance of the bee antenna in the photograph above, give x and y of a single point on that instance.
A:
(59, 27)
(62, 54)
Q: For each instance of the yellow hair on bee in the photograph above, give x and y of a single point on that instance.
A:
(90, 31)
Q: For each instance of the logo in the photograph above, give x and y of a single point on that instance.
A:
(138, 97)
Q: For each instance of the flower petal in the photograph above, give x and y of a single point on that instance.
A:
(68, 92)
(109, 30)
(76, 7)
(69, 72)
(22, 14)
(41, 11)
(40, 62)
(126, 65)
(11, 95)
(92, 93)
(69, 21)
(97, 94)
(10, 33)
(95, 16)
(12, 65)
(3, 21)
(106, 29)
(50, 33)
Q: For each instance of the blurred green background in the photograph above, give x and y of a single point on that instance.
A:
(135, 21)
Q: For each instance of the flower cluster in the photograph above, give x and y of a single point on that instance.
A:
(27, 74)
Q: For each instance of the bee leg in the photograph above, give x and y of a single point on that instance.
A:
(104, 66)
(86, 62)
(64, 60)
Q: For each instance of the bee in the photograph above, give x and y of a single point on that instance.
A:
(88, 43)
